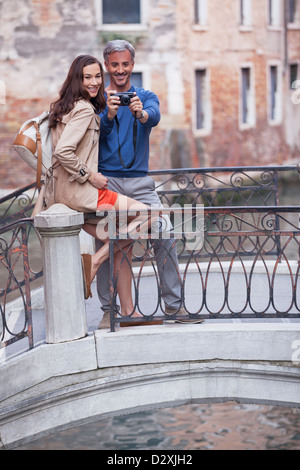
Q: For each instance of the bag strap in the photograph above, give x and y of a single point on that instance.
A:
(39, 156)
(31, 123)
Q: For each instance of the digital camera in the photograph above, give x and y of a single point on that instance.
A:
(125, 97)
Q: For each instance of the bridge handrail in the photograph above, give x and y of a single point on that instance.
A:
(14, 245)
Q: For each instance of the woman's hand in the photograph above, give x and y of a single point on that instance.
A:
(98, 180)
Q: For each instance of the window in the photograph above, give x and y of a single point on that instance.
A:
(291, 4)
(274, 87)
(246, 12)
(247, 114)
(118, 11)
(274, 94)
(202, 100)
(121, 15)
(201, 12)
(274, 12)
(136, 79)
(293, 11)
(293, 75)
(245, 94)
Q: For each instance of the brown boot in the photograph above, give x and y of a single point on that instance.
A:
(86, 261)
(105, 322)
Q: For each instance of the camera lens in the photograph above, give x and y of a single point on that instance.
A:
(125, 100)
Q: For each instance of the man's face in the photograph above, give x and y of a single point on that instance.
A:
(120, 67)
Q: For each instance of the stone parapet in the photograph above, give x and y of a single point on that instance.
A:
(144, 368)
(59, 227)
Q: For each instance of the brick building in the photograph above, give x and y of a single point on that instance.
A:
(225, 71)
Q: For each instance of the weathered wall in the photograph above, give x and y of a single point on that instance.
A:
(223, 47)
(38, 41)
(40, 38)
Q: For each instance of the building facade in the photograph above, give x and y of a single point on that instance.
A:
(226, 73)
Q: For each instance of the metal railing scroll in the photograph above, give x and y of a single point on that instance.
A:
(20, 265)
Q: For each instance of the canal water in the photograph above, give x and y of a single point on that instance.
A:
(222, 426)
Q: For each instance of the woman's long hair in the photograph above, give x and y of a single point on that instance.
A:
(72, 90)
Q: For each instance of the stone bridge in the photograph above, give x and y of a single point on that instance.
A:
(57, 386)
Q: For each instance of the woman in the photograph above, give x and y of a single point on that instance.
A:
(73, 178)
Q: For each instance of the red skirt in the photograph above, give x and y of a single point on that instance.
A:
(106, 198)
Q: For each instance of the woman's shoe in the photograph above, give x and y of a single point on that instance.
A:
(141, 323)
(86, 262)
(105, 322)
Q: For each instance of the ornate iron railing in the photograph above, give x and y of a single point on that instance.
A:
(245, 229)
(228, 186)
(17, 205)
(20, 265)
(237, 272)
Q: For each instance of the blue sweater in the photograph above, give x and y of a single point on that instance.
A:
(109, 161)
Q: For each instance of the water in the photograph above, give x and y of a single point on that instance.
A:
(223, 426)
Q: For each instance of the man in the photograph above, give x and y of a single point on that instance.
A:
(124, 160)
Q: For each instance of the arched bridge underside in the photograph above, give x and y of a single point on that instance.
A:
(57, 386)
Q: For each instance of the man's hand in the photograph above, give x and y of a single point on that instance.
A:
(136, 107)
(113, 104)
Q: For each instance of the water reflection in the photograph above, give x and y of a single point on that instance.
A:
(224, 426)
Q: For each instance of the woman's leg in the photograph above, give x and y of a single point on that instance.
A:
(103, 254)
(126, 205)
(136, 217)
(122, 265)
(123, 276)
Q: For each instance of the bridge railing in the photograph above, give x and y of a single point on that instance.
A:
(245, 232)
(20, 265)
(245, 229)
(238, 263)
(223, 186)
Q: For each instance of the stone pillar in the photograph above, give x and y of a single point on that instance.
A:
(59, 227)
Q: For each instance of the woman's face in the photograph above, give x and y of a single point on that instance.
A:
(92, 79)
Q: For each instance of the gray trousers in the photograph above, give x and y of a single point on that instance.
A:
(143, 190)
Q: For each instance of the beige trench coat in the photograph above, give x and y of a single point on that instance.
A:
(75, 155)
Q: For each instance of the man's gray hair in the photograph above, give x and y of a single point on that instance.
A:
(118, 45)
